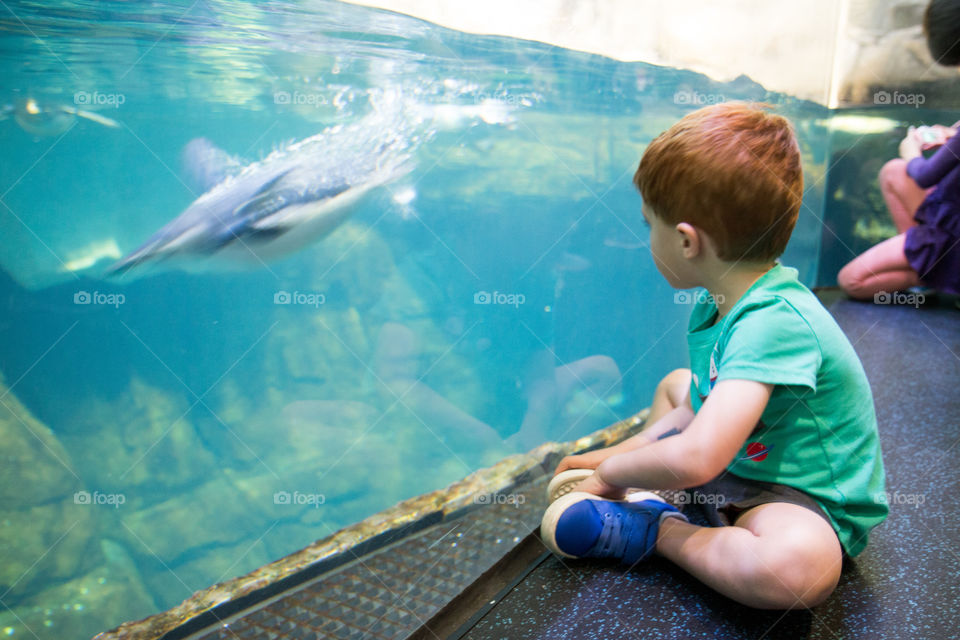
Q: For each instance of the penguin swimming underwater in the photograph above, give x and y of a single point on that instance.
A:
(48, 118)
(274, 207)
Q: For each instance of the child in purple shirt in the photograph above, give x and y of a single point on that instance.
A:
(922, 194)
(932, 246)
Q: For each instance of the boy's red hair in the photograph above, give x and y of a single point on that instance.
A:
(733, 171)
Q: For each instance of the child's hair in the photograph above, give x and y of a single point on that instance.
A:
(941, 23)
(732, 170)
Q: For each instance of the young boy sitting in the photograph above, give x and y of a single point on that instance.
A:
(773, 426)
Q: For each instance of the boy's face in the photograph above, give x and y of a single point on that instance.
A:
(666, 247)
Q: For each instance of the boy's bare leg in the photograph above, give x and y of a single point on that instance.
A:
(670, 394)
(776, 556)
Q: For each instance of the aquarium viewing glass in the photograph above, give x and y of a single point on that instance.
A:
(488, 288)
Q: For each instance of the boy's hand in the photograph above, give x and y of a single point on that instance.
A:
(588, 460)
(593, 484)
(592, 459)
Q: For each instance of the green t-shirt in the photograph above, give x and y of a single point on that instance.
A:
(818, 433)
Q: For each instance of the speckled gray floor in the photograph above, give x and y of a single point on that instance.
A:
(905, 585)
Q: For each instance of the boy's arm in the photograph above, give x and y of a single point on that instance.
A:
(696, 455)
(678, 419)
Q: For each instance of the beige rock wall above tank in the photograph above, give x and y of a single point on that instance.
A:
(883, 59)
(785, 46)
(835, 52)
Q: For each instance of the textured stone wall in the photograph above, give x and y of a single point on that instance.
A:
(836, 52)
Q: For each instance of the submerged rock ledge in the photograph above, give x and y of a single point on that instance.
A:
(436, 505)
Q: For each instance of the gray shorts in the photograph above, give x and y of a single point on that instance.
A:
(723, 499)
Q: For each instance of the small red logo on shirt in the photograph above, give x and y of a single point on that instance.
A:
(756, 451)
(713, 371)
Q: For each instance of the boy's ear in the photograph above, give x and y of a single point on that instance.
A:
(691, 240)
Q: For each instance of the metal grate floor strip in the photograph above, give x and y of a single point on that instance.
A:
(388, 594)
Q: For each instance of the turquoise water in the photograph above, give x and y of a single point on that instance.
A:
(169, 429)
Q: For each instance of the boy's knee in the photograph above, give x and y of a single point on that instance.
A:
(676, 378)
(675, 385)
(798, 578)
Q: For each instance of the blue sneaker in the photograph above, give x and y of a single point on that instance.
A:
(582, 525)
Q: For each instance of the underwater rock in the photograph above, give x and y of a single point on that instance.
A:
(335, 351)
(323, 344)
(316, 448)
(400, 300)
(82, 607)
(289, 537)
(293, 423)
(319, 349)
(35, 467)
(431, 393)
(44, 544)
(319, 446)
(228, 438)
(415, 372)
(307, 504)
(324, 418)
(309, 485)
(204, 568)
(44, 535)
(350, 268)
(440, 502)
(212, 514)
(141, 442)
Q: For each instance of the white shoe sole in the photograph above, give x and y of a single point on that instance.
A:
(565, 482)
(548, 525)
